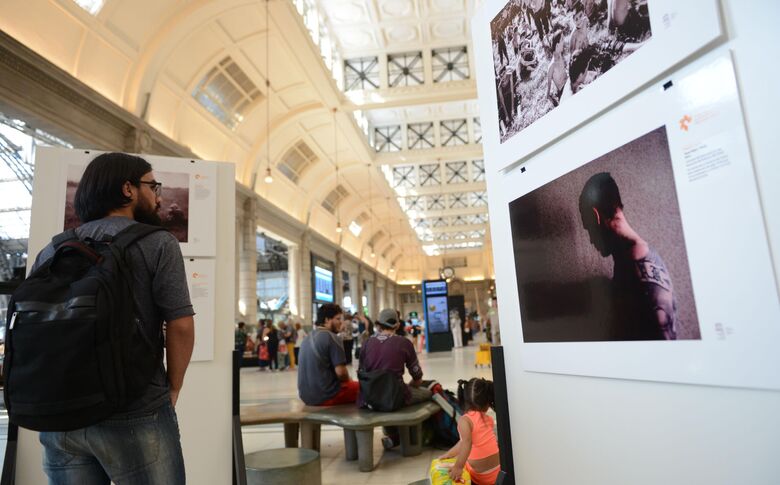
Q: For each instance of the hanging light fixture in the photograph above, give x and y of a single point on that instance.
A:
(336, 162)
(268, 177)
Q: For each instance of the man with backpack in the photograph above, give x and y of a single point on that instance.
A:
(87, 334)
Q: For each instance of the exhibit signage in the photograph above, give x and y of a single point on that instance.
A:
(639, 244)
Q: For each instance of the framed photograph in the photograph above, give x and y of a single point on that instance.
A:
(639, 245)
(546, 66)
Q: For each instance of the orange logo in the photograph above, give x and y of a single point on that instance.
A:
(684, 122)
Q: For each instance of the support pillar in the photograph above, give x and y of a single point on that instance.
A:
(305, 303)
(247, 282)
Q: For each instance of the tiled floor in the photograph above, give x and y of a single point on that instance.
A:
(392, 468)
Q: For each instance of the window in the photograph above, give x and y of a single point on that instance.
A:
(91, 6)
(439, 222)
(405, 69)
(356, 226)
(361, 73)
(430, 174)
(436, 202)
(478, 199)
(450, 64)
(454, 133)
(420, 135)
(456, 172)
(477, 130)
(458, 201)
(478, 170)
(403, 177)
(334, 198)
(227, 93)
(387, 139)
(296, 161)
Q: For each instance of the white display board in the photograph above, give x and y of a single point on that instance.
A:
(733, 331)
(191, 185)
(607, 51)
(203, 407)
(188, 189)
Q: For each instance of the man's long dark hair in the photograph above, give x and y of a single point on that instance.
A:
(100, 189)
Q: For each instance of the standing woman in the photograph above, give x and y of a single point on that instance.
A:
(300, 334)
(271, 338)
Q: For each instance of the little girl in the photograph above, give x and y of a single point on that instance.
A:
(477, 449)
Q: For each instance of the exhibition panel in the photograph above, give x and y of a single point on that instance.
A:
(528, 95)
(634, 237)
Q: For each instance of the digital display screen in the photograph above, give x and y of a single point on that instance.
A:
(436, 309)
(323, 284)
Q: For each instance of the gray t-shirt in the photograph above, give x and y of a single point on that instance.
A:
(320, 353)
(160, 291)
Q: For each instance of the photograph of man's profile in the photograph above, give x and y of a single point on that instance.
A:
(600, 253)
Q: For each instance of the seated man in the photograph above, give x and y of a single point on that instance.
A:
(323, 379)
(390, 352)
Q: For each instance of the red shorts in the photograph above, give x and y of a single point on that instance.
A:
(347, 394)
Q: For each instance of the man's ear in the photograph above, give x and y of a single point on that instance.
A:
(596, 215)
(127, 190)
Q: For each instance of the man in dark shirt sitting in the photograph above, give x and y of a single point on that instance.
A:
(388, 351)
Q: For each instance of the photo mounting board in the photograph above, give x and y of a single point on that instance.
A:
(680, 29)
(722, 219)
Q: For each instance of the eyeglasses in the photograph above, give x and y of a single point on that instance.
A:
(155, 186)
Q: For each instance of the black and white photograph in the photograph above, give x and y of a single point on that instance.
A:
(174, 205)
(600, 253)
(546, 51)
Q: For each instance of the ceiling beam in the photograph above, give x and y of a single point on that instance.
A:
(410, 95)
(444, 154)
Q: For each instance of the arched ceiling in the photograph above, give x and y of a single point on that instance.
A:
(151, 56)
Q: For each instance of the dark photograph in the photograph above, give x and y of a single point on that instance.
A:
(545, 51)
(174, 206)
(600, 252)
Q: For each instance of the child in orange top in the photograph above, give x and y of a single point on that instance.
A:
(477, 449)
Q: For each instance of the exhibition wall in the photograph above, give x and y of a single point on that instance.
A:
(206, 443)
(570, 429)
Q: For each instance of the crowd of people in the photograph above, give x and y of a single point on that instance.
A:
(385, 348)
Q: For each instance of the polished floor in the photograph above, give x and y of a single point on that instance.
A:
(391, 468)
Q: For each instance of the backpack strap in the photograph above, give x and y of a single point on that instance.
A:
(69, 235)
(132, 233)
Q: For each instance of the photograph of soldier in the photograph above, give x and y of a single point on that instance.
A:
(600, 252)
(545, 51)
(173, 211)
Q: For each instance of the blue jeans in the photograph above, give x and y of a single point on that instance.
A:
(136, 449)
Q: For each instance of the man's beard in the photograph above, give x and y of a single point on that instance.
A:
(146, 215)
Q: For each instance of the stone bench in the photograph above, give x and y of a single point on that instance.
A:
(358, 425)
(287, 466)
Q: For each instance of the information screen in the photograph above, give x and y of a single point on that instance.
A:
(435, 301)
(323, 284)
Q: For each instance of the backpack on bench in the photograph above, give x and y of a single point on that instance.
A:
(75, 351)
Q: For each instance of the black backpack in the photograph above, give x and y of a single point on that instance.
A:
(75, 352)
(381, 389)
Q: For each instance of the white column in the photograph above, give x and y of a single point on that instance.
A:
(247, 283)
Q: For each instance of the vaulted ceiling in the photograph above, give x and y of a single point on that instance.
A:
(298, 87)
